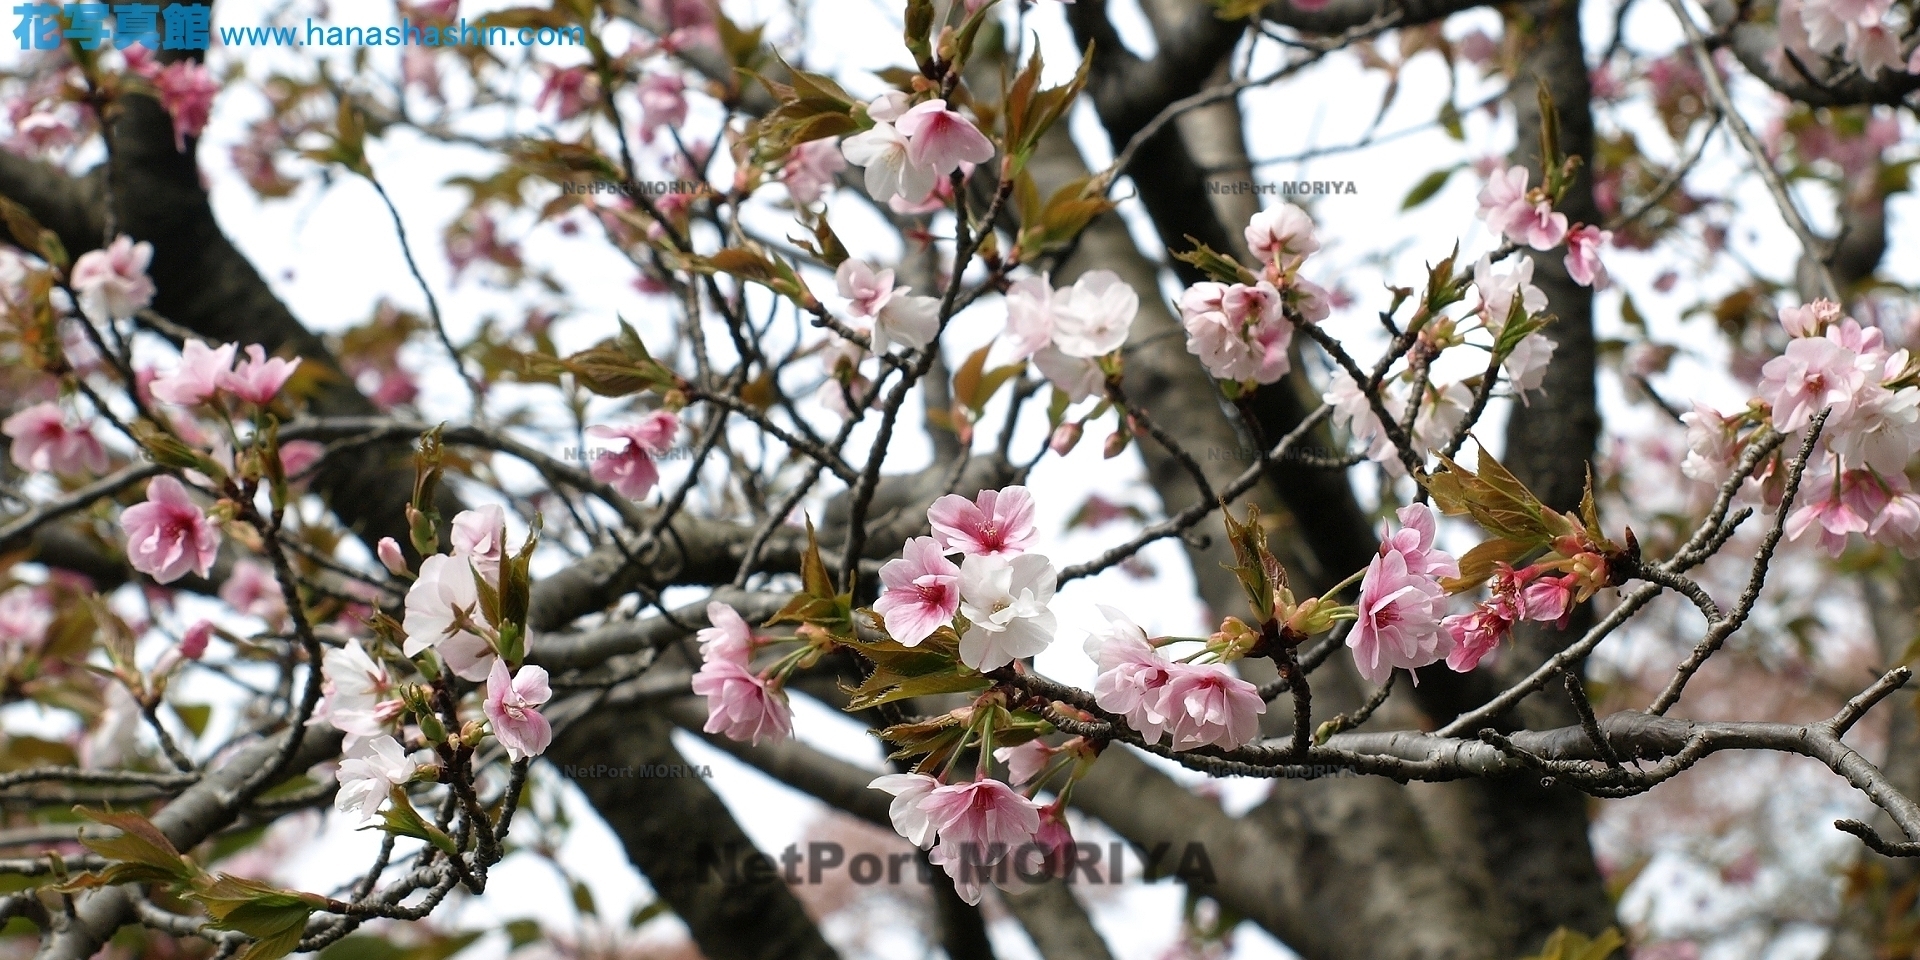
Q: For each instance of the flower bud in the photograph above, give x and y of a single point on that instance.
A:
(1116, 444)
(389, 551)
(193, 645)
(1065, 437)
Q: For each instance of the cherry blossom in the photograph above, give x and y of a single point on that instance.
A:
(24, 618)
(631, 470)
(198, 375)
(867, 290)
(1399, 610)
(663, 103)
(979, 822)
(1504, 198)
(1837, 505)
(1282, 235)
(940, 139)
(112, 284)
(571, 90)
(728, 638)
(1497, 291)
(369, 774)
(443, 613)
(1476, 634)
(43, 440)
(252, 589)
(910, 320)
(513, 708)
(1205, 705)
(920, 592)
(257, 379)
(1005, 603)
(186, 89)
(1583, 256)
(168, 536)
(1131, 674)
(909, 791)
(810, 169)
(1813, 373)
(1077, 377)
(1024, 762)
(1092, 317)
(1810, 320)
(742, 705)
(996, 523)
(1029, 316)
(883, 151)
(358, 694)
(1239, 332)
(480, 535)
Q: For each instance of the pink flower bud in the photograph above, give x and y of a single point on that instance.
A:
(1065, 437)
(1116, 444)
(389, 552)
(193, 646)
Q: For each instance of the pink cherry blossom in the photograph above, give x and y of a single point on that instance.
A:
(742, 705)
(197, 377)
(168, 535)
(996, 523)
(1414, 540)
(1131, 674)
(1538, 226)
(1475, 635)
(1024, 762)
(1504, 199)
(44, 441)
(728, 638)
(663, 103)
(1810, 320)
(1838, 506)
(299, 456)
(571, 90)
(1813, 373)
(1282, 234)
(1497, 291)
(1239, 332)
(112, 284)
(186, 89)
(257, 379)
(1548, 599)
(867, 290)
(909, 791)
(1399, 619)
(25, 615)
(359, 695)
(1077, 377)
(1092, 317)
(940, 139)
(810, 169)
(920, 592)
(1005, 603)
(890, 171)
(1583, 255)
(911, 321)
(480, 535)
(1029, 316)
(982, 820)
(252, 589)
(513, 709)
(631, 471)
(443, 614)
(1206, 705)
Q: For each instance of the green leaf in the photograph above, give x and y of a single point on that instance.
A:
(194, 715)
(1428, 186)
(583, 899)
(1218, 266)
(141, 853)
